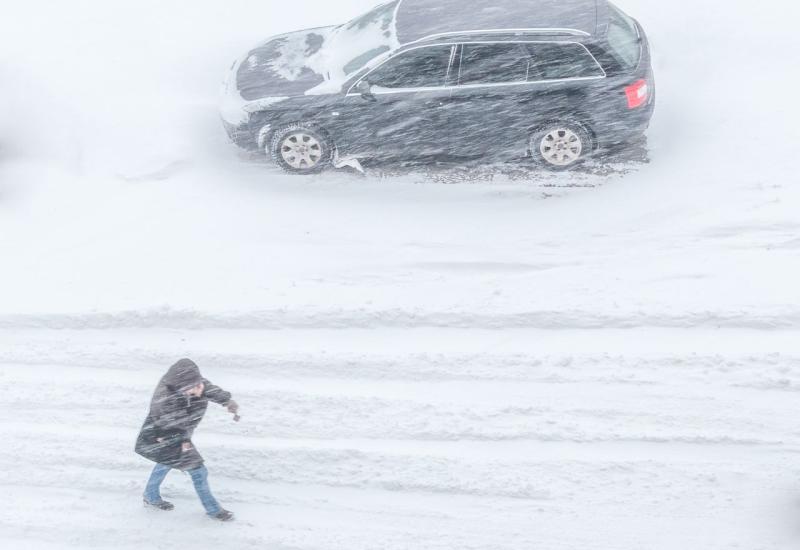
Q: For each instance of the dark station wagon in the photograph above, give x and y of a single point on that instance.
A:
(557, 81)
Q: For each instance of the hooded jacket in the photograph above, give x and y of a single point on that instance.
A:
(173, 416)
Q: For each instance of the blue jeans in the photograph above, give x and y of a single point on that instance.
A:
(199, 478)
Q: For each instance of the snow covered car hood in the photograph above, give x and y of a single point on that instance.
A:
(312, 61)
(290, 64)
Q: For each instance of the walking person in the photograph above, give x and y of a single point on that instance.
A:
(178, 405)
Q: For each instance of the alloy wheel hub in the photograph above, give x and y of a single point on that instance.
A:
(561, 147)
(301, 150)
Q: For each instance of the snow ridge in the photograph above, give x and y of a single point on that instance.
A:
(760, 319)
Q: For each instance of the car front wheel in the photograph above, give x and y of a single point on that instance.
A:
(560, 145)
(300, 149)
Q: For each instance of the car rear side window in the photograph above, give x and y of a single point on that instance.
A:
(493, 64)
(559, 61)
(525, 62)
(417, 68)
(623, 39)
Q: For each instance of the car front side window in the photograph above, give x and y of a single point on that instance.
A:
(418, 68)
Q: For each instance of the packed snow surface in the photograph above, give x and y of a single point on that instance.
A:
(448, 357)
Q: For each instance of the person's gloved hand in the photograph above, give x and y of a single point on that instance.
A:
(233, 406)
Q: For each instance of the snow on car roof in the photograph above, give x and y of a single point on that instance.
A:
(417, 19)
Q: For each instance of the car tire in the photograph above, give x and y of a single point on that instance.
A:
(301, 149)
(561, 145)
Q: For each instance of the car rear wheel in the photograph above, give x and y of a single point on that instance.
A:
(301, 149)
(561, 145)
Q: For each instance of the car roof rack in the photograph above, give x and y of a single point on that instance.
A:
(570, 32)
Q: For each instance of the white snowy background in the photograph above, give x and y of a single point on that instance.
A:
(607, 359)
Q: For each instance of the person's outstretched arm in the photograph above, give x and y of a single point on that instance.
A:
(218, 395)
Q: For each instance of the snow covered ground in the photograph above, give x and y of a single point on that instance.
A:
(414, 438)
(443, 357)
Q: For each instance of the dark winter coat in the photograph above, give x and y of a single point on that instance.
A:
(174, 416)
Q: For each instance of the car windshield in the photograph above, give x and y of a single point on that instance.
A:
(372, 33)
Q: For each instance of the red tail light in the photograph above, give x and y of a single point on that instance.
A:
(637, 94)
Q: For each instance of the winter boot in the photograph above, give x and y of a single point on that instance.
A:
(223, 515)
(161, 504)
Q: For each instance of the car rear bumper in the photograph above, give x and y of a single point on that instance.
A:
(628, 129)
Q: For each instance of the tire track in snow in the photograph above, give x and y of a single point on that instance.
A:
(477, 410)
(63, 459)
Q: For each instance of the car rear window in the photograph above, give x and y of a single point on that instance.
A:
(623, 39)
(525, 62)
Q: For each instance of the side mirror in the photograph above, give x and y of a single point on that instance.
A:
(365, 89)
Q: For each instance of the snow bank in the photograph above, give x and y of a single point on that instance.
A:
(785, 318)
